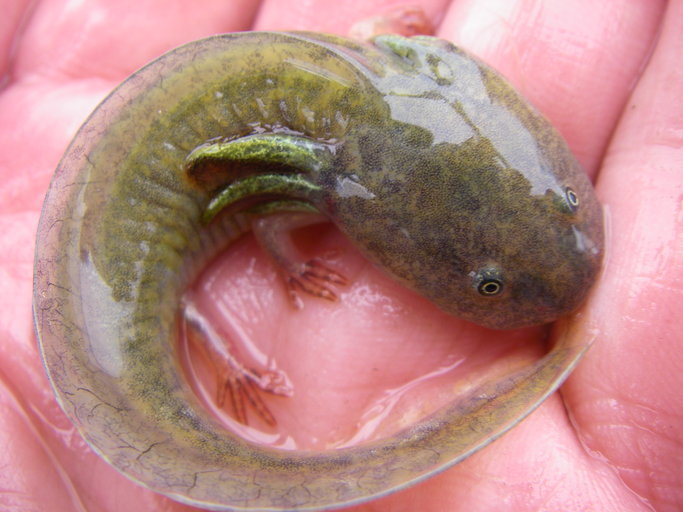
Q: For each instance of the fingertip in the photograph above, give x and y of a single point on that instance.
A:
(332, 16)
(111, 39)
(574, 61)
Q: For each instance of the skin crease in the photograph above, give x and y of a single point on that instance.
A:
(622, 403)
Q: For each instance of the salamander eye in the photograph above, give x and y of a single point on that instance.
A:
(488, 282)
(572, 198)
(490, 287)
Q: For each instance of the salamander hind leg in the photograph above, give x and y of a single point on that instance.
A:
(238, 387)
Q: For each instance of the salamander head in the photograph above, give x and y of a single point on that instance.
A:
(499, 224)
(509, 251)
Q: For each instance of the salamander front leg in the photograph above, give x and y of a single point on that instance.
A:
(312, 276)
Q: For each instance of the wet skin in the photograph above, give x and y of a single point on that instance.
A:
(435, 168)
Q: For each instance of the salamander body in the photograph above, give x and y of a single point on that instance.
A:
(435, 168)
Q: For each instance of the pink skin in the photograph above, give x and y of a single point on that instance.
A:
(608, 74)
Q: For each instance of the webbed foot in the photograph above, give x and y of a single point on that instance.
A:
(313, 277)
(274, 233)
(236, 383)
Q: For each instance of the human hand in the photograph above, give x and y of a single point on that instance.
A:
(576, 64)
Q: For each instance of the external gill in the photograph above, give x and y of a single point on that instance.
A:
(295, 159)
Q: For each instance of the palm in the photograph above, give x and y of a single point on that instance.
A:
(577, 67)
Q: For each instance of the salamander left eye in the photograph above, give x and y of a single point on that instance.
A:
(490, 287)
(572, 198)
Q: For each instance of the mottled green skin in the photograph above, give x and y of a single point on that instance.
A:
(483, 184)
(475, 180)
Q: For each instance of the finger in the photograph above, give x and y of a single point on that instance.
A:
(332, 16)
(575, 61)
(530, 469)
(111, 39)
(29, 468)
(626, 397)
(13, 14)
